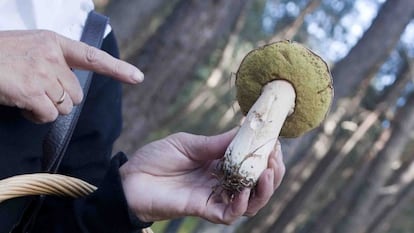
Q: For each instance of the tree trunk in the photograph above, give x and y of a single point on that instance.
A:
(373, 49)
(353, 70)
(365, 58)
(338, 207)
(403, 198)
(333, 211)
(216, 87)
(291, 30)
(381, 170)
(318, 177)
(134, 21)
(168, 60)
(389, 196)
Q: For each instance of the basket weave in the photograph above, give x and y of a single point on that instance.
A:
(46, 184)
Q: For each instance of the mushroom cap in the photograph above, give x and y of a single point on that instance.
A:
(306, 71)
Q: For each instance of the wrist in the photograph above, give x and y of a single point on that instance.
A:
(132, 195)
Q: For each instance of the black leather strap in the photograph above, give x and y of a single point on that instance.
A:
(58, 137)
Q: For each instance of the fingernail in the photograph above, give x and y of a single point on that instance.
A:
(138, 76)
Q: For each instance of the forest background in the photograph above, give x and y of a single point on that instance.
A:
(355, 173)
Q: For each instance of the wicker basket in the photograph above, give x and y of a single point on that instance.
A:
(46, 184)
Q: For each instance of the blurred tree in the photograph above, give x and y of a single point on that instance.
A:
(168, 58)
(380, 170)
(338, 207)
(366, 57)
(362, 70)
(134, 21)
(343, 176)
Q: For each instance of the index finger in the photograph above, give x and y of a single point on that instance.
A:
(80, 55)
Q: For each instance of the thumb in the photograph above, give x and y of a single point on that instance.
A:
(201, 148)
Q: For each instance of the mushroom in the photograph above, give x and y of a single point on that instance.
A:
(283, 88)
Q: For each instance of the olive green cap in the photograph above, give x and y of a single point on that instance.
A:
(306, 71)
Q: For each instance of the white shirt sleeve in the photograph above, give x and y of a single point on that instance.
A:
(66, 17)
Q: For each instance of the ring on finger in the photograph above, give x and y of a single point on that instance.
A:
(62, 98)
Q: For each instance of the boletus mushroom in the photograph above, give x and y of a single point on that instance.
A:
(282, 88)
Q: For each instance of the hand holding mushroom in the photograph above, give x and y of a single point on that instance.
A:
(283, 88)
(279, 85)
(171, 178)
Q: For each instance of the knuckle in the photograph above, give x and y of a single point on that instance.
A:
(39, 73)
(48, 116)
(281, 170)
(175, 138)
(117, 68)
(228, 221)
(205, 144)
(24, 96)
(46, 33)
(250, 213)
(215, 220)
(45, 47)
(260, 202)
(30, 90)
(221, 219)
(180, 135)
(20, 103)
(194, 210)
(74, 89)
(67, 110)
(47, 36)
(78, 97)
(53, 115)
(52, 56)
(91, 54)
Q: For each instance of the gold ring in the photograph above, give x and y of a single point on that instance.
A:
(62, 98)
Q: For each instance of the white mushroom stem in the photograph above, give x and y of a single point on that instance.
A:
(247, 155)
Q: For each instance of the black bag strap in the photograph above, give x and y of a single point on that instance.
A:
(58, 137)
